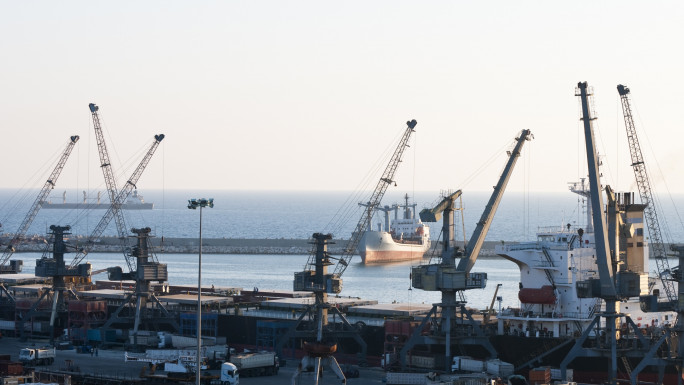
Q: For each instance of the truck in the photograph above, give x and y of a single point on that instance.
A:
(252, 364)
(229, 375)
(37, 356)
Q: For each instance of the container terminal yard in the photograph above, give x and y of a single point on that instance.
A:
(588, 312)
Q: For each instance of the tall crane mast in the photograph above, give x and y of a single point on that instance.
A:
(476, 240)
(657, 246)
(110, 181)
(305, 280)
(115, 207)
(386, 179)
(37, 204)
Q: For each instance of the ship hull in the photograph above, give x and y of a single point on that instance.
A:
(380, 247)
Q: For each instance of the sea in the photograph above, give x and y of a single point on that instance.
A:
(299, 214)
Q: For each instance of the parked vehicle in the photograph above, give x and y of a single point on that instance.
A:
(37, 356)
(256, 364)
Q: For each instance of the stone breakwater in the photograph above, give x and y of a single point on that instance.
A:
(215, 245)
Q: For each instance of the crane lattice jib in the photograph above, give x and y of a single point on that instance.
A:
(118, 202)
(38, 203)
(375, 199)
(657, 245)
(110, 181)
(476, 240)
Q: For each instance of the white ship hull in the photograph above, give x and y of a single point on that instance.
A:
(380, 247)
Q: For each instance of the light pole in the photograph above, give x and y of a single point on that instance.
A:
(194, 204)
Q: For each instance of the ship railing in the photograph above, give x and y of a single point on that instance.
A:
(558, 229)
(520, 246)
(518, 313)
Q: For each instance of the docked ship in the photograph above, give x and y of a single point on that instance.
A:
(407, 239)
(134, 202)
(555, 266)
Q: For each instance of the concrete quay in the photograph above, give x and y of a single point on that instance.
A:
(219, 245)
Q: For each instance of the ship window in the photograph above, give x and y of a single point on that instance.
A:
(640, 232)
(640, 244)
(630, 244)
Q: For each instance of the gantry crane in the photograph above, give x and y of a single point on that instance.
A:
(15, 266)
(454, 327)
(656, 244)
(315, 278)
(115, 208)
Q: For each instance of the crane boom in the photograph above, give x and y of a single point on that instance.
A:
(476, 240)
(657, 245)
(603, 259)
(385, 180)
(110, 181)
(38, 203)
(116, 205)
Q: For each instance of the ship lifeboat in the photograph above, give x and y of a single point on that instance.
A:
(543, 295)
(319, 349)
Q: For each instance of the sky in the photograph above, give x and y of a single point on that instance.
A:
(309, 95)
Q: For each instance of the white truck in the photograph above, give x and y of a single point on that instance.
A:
(229, 375)
(37, 356)
(256, 364)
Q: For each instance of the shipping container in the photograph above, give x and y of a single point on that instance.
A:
(499, 368)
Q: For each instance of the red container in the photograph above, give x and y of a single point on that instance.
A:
(543, 295)
(540, 376)
(9, 368)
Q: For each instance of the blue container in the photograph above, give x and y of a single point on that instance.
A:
(94, 335)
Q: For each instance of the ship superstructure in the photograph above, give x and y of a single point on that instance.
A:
(554, 267)
(405, 239)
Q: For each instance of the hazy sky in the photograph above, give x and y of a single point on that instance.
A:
(306, 95)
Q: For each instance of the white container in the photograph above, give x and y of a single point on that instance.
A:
(467, 364)
(499, 368)
(556, 374)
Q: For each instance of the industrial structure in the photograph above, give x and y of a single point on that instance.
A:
(316, 278)
(453, 322)
(16, 265)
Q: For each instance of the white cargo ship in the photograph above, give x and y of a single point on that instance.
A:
(407, 239)
(134, 202)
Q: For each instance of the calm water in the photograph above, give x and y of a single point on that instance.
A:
(384, 283)
(264, 214)
(273, 215)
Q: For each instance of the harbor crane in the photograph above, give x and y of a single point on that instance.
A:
(115, 208)
(304, 281)
(15, 266)
(614, 238)
(142, 305)
(35, 208)
(315, 278)
(675, 357)
(110, 182)
(454, 327)
(656, 245)
(55, 268)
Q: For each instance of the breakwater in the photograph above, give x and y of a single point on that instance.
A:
(214, 245)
